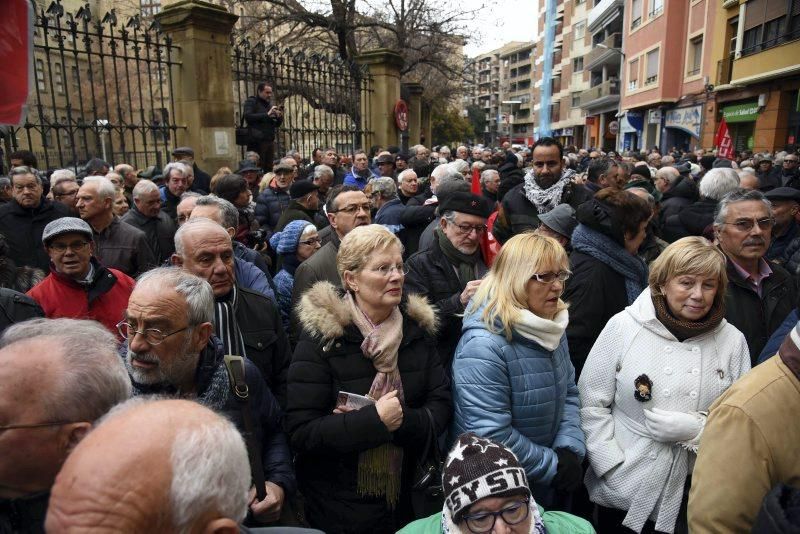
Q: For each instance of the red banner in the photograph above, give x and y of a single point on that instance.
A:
(16, 57)
(723, 141)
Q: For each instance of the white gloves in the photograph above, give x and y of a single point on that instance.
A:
(672, 427)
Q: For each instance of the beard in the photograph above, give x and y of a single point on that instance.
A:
(177, 371)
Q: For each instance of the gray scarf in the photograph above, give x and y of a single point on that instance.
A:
(546, 199)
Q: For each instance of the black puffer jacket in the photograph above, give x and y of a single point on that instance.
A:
(213, 391)
(758, 317)
(694, 219)
(23, 227)
(328, 359)
(682, 193)
(780, 512)
(16, 307)
(160, 231)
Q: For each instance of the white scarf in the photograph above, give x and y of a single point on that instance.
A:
(546, 199)
(542, 331)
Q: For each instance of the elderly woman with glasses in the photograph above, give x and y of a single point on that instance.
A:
(297, 242)
(647, 385)
(513, 381)
(366, 389)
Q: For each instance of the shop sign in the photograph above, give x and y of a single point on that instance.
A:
(631, 122)
(686, 119)
(654, 116)
(741, 112)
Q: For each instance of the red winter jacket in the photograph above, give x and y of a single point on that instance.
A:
(104, 300)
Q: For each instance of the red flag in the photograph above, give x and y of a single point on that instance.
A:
(723, 141)
(476, 182)
(16, 56)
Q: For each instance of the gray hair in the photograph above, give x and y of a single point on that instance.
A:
(444, 149)
(61, 175)
(123, 169)
(485, 175)
(385, 186)
(319, 170)
(175, 166)
(195, 224)
(249, 154)
(228, 212)
(93, 378)
(450, 175)
(404, 173)
(645, 194)
(143, 187)
(738, 195)
(105, 188)
(459, 166)
(5, 182)
(190, 194)
(197, 292)
(717, 183)
(22, 171)
(210, 472)
(670, 174)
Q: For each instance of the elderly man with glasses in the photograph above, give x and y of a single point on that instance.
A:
(790, 171)
(22, 220)
(57, 377)
(79, 286)
(449, 273)
(760, 294)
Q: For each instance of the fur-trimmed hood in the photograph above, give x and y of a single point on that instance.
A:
(324, 314)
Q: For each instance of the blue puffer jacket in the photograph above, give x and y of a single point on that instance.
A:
(519, 394)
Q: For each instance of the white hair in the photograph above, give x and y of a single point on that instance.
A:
(105, 187)
(319, 170)
(403, 174)
(487, 173)
(61, 175)
(197, 292)
(210, 472)
(717, 183)
(227, 211)
(175, 166)
(670, 174)
(143, 187)
(459, 165)
(93, 378)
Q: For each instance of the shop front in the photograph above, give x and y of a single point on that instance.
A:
(682, 128)
(741, 119)
(630, 129)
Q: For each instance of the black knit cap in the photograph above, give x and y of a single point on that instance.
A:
(477, 468)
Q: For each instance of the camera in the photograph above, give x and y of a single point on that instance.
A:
(257, 238)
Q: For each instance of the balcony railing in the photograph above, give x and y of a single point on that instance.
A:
(609, 88)
(609, 53)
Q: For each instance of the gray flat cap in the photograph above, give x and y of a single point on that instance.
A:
(560, 219)
(66, 225)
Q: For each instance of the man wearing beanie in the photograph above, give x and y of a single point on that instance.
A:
(304, 205)
(79, 286)
(486, 490)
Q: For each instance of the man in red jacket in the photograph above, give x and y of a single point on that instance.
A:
(79, 286)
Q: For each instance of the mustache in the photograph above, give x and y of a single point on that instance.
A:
(143, 357)
(754, 241)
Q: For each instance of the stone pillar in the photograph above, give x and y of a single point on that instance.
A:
(202, 83)
(414, 112)
(384, 67)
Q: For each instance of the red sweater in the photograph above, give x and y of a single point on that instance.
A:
(105, 300)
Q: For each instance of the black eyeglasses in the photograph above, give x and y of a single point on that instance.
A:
(466, 229)
(746, 225)
(153, 336)
(353, 208)
(34, 425)
(791, 160)
(483, 522)
(77, 246)
(312, 241)
(549, 278)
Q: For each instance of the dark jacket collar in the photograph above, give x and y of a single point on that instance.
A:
(789, 353)
(24, 514)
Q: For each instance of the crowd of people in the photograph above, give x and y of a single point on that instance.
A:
(508, 339)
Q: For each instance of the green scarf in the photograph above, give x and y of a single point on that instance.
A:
(467, 264)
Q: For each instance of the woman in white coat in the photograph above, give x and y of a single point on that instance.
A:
(651, 375)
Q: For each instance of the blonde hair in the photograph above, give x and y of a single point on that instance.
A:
(265, 180)
(222, 171)
(504, 291)
(358, 246)
(690, 255)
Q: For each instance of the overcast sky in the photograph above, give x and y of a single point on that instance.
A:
(500, 22)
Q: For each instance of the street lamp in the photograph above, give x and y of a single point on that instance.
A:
(617, 50)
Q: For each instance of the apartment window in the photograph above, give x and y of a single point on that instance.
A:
(652, 67)
(633, 74)
(59, 78)
(695, 56)
(773, 31)
(750, 40)
(636, 13)
(40, 75)
(577, 64)
(576, 100)
(580, 30)
(656, 8)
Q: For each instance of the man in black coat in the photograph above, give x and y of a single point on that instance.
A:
(547, 186)
(246, 322)
(202, 181)
(790, 171)
(697, 219)
(262, 119)
(451, 271)
(147, 216)
(170, 350)
(760, 294)
(22, 220)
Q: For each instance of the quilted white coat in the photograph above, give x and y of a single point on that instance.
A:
(629, 470)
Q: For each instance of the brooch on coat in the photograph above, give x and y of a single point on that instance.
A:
(644, 388)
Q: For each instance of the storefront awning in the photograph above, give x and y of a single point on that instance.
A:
(687, 119)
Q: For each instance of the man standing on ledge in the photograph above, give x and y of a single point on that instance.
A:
(262, 119)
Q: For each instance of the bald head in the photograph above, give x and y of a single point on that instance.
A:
(176, 466)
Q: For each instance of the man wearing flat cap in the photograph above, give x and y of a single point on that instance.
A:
(79, 286)
(304, 205)
(202, 181)
(785, 205)
(251, 174)
(558, 223)
(449, 273)
(386, 165)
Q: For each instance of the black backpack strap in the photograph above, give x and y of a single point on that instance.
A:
(236, 378)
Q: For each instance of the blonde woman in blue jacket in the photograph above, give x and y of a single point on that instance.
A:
(513, 381)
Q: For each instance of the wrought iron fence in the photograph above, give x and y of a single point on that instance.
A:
(102, 89)
(326, 100)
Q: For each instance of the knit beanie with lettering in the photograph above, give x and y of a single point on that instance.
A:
(477, 468)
